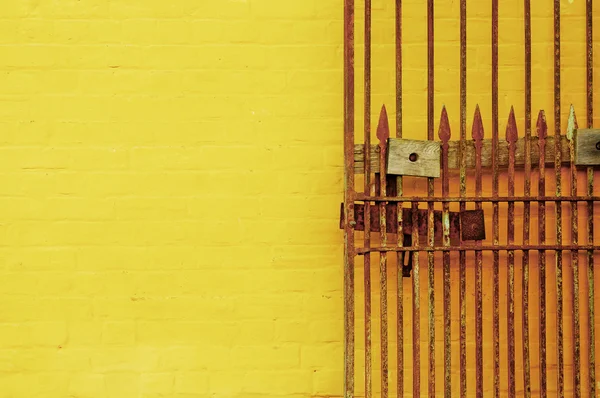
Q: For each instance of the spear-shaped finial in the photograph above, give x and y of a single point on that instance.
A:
(444, 131)
(383, 128)
(541, 126)
(512, 134)
(477, 129)
(571, 123)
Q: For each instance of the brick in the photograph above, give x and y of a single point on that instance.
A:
(279, 357)
(273, 382)
(119, 333)
(87, 385)
(122, 384)
(191, 383)
(157, 383)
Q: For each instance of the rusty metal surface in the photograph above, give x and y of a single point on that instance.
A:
(399, 211)
(475, 199)
(590, 204)
(472, 225)
(495, 216)
(571, 128)
(349, 198)
(410, 232)
(407, 227)
(477, 135)
(526, 205)
(444, 134)
(475, 247)
(542, 133)
(462, 295)
(560, 364)
(430, 193)
(511, 138)
(416, 305)
(383, 133)
(367, 206)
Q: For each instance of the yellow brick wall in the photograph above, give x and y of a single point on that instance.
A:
(170, 177)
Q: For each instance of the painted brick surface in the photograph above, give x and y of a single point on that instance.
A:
(170, 179)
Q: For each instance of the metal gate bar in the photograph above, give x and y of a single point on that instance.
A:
(463, 192)
(511, 138)
(542, 133)
(430, 193)
(571, 127)
(495, 216)
(444, 135)
(399, 212)
(590, 192)
(367, 189)
(558, 205)
(389, 192)
(349, 251)
(527, 205)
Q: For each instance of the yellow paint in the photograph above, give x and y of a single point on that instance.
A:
(171, 178)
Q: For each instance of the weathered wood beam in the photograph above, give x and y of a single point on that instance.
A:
(486, 161)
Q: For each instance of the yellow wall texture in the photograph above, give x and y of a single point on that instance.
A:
(170, 177)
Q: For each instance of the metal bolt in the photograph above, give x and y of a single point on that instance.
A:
(598, 145)
(413, 157)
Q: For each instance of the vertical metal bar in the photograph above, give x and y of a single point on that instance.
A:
(430, 193)
(477, 134)
(367, 213)
(463, 191)
(590, 204)
(527, 205)
(416, 316)
(496, 230)
(571, 127)
(542, 133)
(383, 133)
(400, 192)
(560, 364)
(444, 134)
(349, 198)
(511, 138)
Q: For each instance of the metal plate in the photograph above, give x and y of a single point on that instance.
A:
(472, 225)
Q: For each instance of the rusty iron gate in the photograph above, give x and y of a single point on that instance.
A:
(429, 224)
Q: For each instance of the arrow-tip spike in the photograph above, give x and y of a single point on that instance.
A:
(571, 123)
(444, 130)
(383, 128)
(542, 126)
(477, 130)
(512, 134)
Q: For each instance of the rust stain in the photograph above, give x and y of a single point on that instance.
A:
(495, 216)
(527, 206)
(444, 134)
(542, 133)
(511, 138)
(477, 135)
(571, 131)
(590, 204)
(349, 198)
(383, 133)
